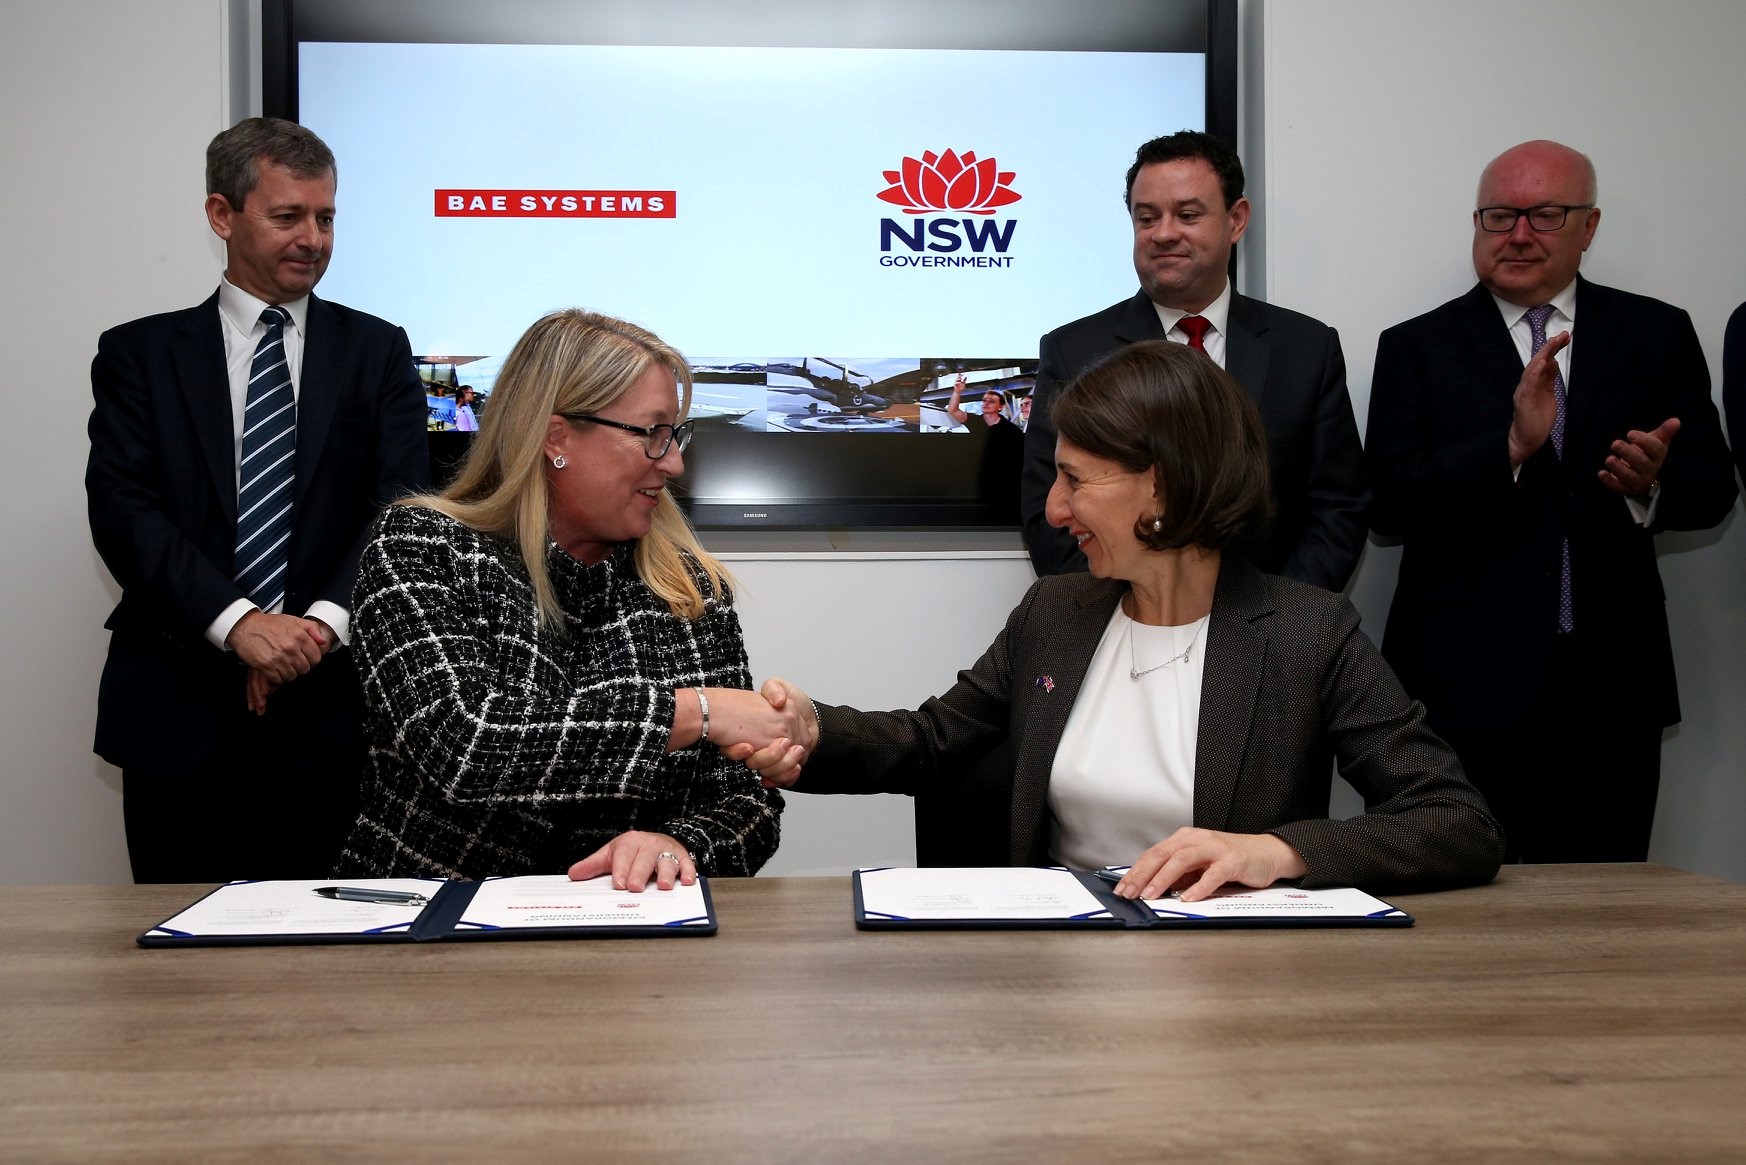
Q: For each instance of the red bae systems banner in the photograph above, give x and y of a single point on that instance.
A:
(556, 203)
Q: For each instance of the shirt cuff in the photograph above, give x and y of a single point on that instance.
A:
(221, 627)
(334, 616)
(1643, 512)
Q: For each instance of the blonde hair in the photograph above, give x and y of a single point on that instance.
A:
(571, 361)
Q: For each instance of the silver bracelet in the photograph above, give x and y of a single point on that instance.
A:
(703, 707)
(817, 724)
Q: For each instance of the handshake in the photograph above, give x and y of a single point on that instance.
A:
(773, 730)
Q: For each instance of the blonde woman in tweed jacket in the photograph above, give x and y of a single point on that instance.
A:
(1175, 710)
(547, 651)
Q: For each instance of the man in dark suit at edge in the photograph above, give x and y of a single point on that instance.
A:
(239, 451)
(1185, 201)
(1529, 615)
(1734, 384)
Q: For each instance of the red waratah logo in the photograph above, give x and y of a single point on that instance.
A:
(949, 181)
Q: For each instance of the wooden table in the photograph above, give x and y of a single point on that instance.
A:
(1564, 1012)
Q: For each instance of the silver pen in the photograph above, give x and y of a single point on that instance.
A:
(379, 897)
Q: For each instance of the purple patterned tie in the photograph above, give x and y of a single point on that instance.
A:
(1537, 317)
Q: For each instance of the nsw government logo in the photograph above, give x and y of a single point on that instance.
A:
(960, 194)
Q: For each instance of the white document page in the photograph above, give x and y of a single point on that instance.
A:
(971, 894)
(293, 907)
(554, 900)
(1276, 902)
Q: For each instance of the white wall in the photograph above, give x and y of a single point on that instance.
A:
(1367, 105)
(1378, 116)
(109, 106)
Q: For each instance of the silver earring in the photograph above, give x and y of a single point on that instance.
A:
(1157, 525)
(560, 461)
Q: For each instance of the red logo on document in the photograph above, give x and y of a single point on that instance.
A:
(950, 181)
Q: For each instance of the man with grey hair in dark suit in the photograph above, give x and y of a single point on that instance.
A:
(239, 451)
(1527, 441)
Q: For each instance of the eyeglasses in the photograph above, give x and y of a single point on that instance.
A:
(1500, 220)
(657, 438)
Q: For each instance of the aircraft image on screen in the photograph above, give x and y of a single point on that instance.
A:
(825, 381)
(728, 392)
(820, 394)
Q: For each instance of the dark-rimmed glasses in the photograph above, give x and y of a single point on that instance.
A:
(1501, 220)
(657, 439)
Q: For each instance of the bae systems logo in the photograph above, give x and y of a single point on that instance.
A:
(945, 185)
(502, 203)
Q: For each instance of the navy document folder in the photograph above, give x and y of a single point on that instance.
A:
(940, 898)
(374, 910)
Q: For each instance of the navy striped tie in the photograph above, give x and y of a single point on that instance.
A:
(269, 443)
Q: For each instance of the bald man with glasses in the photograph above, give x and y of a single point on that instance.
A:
(1526, 442)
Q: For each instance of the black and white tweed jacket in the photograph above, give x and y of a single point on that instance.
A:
(498, 747)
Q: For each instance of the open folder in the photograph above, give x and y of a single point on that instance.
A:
(942, 898)
(255, 913)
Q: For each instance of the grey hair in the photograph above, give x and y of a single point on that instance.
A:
(232, 159)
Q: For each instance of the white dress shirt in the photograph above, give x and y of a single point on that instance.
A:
(239, 315)
(1123, 777)
(1217, 313)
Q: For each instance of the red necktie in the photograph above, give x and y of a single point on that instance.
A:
(1195, 327)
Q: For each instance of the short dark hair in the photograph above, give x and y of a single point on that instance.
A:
(233, 157)
(1168, 409)
(1189, 143)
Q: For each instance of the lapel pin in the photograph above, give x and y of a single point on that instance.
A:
(1047, 683)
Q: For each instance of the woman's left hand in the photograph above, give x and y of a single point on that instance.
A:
(1199, 861)
(633, 858)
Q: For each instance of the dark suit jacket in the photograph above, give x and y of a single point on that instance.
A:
(1290, 685)
(1734, 384)
(1474, 617)
(1292, 366)
(161, 488)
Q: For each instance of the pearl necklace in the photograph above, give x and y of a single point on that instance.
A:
(1135, 671)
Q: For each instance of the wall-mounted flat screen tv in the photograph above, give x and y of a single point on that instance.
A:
(855, 219)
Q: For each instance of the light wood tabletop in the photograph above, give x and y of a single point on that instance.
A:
(1561, 1013)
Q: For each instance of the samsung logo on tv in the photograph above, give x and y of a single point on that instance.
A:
(754, 514)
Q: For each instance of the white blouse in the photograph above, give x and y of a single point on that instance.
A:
(1123, 778)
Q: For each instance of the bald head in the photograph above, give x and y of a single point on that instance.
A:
(1544, 157)
(1525, 266)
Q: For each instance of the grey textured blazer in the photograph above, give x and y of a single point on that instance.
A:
(1290, 685)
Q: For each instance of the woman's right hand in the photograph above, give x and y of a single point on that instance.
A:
(778, 763)
(772, 726)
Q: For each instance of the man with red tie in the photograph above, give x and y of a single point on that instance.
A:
(1526, 442)
(1185, 202)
